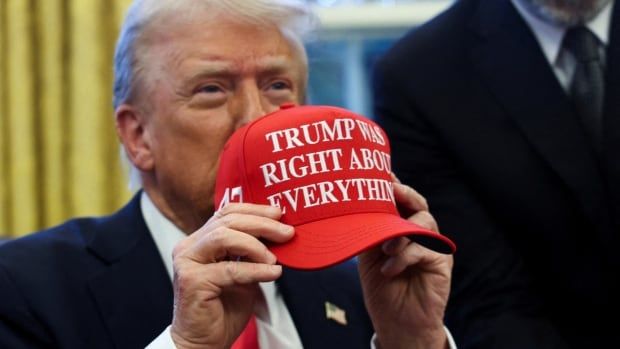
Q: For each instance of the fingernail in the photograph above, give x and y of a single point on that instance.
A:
(286, 229)
(395, 178)
(389, 245)
(275, 210)
(276, 268)
(271, 257)
(387, 265)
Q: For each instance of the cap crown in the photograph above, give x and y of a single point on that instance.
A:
(314, 162)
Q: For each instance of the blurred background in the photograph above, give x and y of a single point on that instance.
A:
(59, 157)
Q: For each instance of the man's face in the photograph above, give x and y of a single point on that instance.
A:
(567, 12)
(206, 82)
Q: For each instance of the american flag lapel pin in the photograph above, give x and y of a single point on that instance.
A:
(333, 312)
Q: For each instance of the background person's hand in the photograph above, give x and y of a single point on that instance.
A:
(216, 274)
(406, 286)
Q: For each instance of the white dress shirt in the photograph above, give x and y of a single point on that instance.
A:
(550, 36)
(275, 326)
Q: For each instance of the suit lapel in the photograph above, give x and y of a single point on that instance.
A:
(134, 292)
(612, 110)
(510, 62)
(612, 131)
(305, 294)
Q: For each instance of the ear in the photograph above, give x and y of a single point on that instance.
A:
(132, 132)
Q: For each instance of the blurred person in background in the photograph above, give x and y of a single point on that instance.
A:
(504, 115)
(187, 74)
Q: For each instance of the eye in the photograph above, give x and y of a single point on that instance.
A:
(279, 90)
(210, 89)
(209, 94)
(279, 85)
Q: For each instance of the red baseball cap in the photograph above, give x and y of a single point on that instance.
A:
(329, 171)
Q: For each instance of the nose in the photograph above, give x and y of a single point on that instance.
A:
(252, 105)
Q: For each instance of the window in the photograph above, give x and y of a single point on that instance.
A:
(354, 33)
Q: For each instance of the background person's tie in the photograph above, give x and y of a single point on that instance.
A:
(248, 339)
(587, 85)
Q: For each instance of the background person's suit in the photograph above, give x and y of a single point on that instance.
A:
(101, 283)
(481, 126)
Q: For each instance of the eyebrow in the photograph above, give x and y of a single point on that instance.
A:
(218, 67)
(210, 69)
(275, 64)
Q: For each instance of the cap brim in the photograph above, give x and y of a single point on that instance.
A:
(330, 241)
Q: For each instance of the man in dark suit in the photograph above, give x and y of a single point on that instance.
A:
(188, 74)
(511, 131)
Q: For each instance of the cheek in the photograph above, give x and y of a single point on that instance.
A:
(188, 169)
(188, 144)
(191, 130)
(197, 145)
(196, 169)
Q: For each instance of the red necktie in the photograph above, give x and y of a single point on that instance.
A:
(248, 339)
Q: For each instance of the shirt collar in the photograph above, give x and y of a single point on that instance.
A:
(165, 234)
(550, 35)
(600, 24)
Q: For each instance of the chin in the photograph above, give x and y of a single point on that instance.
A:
(566, 12)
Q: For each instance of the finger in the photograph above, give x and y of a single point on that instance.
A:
(237, 208)
(229, 273)
(224, 243)
(394, 178)
(258, 226)
(414, 254)
(408, 198)
(251, 209)
(222, 274)
(394, 246)
(425, 220)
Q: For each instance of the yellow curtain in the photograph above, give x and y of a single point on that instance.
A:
(59, 154)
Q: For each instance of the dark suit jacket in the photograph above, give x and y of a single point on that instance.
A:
(101, 283)
(480, 125)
